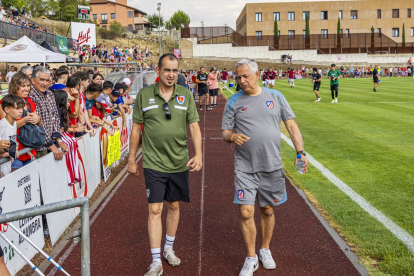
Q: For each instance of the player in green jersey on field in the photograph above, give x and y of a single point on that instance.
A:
(334, 75)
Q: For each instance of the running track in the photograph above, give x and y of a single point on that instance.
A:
(208, 241)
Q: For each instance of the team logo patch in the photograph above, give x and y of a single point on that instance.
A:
(148, 192)
(240, 194)
(270, 104)
(180, 100)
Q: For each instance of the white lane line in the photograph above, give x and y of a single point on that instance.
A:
(229, 90)
(398, 232)
(202, 198)
(72, 246)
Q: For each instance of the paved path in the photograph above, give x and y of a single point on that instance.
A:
(208, 241)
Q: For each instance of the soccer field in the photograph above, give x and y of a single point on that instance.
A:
(365, 140)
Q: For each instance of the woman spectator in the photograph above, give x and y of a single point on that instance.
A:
(20, 85)
(98, 78)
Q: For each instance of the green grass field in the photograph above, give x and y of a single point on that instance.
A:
(365, 140)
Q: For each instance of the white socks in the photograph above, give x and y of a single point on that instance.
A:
(169, 242)
(156, 254)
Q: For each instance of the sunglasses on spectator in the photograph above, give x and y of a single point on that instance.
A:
(168, 113)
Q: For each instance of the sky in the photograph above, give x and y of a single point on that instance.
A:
(212, 12)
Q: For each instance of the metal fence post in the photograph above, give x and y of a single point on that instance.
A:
(86, 264)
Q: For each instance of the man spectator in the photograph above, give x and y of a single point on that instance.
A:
(202, 88)
(213, 86)
(15, 13)
(83, 114)
(2, 13)
(62, 78)
(72, 88)
(47, 110)
(23, 11)
(27, 70)
(224, 75)
(166, 109)
(375, 78)
(10, 74)
(259, 175)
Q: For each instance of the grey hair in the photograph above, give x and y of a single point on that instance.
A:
(25, 68)
(40, 70)
(251, 63)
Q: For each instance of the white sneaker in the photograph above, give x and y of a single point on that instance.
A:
(333, 101)
(336, 100)
(318, 100)
(250, 266)
(265, 256)
(155, 269)
(169, 255)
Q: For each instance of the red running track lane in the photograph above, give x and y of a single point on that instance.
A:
(120, 244)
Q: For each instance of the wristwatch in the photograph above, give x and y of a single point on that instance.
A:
(301, 152)
(58, 140)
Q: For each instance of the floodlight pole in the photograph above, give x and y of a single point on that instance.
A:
(159, 24)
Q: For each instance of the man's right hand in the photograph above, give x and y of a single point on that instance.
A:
(4, 144)
(57, 153)
(239, 139)
(132, 167)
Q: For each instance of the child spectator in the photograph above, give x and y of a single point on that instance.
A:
(117, 103)
(13, 107)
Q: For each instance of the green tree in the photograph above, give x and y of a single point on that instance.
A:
(307, 29)
(178, 19)
(36, 7)
(168, 25)
(53, 8)
(154, 20)
(275, 29)
(116, 28)
(372, 29)
(403, 33)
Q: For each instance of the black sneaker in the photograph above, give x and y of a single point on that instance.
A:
(201, 108)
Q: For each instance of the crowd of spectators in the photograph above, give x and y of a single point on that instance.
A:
(18, 18)
(65, 105)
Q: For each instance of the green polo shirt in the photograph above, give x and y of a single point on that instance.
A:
(164, 142)
(334, 73)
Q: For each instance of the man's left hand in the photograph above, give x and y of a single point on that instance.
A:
(196, 163)
(304, 159)
(64, 147)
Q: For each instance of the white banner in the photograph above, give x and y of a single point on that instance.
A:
(92, 161)
(85, 33)
(54, 183)
(20, 190)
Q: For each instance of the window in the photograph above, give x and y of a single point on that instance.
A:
(258, 17)
(278, 33)
(347, 32)
(412, 31)
(276, 16)
(354, 14)
(395, 32)
(130, 27)
(324, 33)
(395, 13)
(291, 16)
(324, 15)
(340, 31)
(304, 15)
(409, 13)
(94, 16)
(341, 15)
(304, 33)
(112, 16)
(379, 32)
(104, 17)
(258, 35)
(291, 34)
(130, 14)
(378, 13)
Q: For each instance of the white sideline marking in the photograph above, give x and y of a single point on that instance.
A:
(72, 246)
(398, 232)
(202, 198)
(229, 90)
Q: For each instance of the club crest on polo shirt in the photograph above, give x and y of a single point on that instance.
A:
(180, 100)
(270, 104)
(240, 194)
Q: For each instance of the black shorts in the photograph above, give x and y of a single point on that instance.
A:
(202, 91)
(167, 186)
(334, 87)
(316, 86)
(213, 92)
(375, 80)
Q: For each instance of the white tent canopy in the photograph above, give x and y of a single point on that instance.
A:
(26, 50)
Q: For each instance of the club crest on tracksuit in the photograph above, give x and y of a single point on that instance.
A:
(240, 194)
(180, 100)
(270, 104)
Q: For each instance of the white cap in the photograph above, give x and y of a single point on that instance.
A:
(126, 81)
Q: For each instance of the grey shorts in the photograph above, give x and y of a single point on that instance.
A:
(268, 187)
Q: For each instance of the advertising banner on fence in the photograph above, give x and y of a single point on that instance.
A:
(84, 33)
(114, 148)
(54, 183)
(20, 190)
(93, 168)
(62, 44)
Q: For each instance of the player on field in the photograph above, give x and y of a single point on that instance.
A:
(291, 78)
(224, 75)
(316, 79)
(271, 75)
(334, 75)
(375, 77)
(203, 88)
(264, 78)
(251, 120)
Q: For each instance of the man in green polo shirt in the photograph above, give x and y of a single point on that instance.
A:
(165, 109)
(334, 75)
